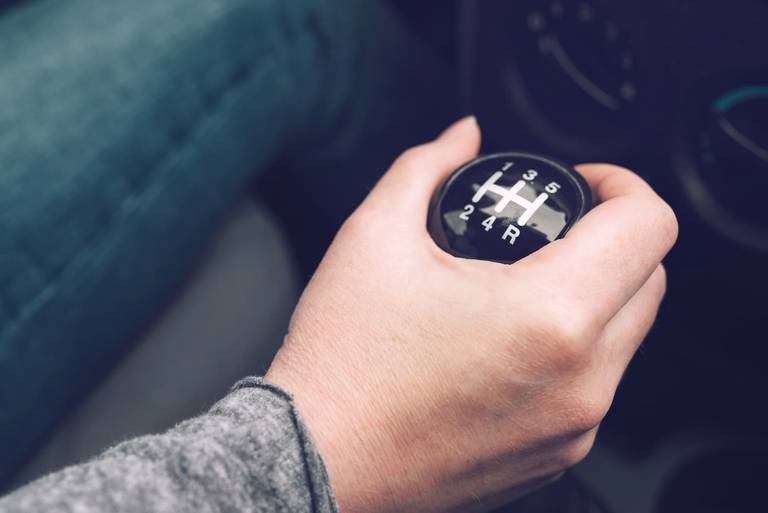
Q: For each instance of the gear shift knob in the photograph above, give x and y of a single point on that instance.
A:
(505, 206)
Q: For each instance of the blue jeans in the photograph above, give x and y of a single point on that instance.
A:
(127, 128)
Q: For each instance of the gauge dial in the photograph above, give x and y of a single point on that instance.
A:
(729, 178)
(576, 65)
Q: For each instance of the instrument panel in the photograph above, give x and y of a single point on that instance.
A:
(676, 90)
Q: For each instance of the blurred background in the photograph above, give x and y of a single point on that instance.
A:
(172, 172)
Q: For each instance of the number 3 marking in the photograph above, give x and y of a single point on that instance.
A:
(530, 175)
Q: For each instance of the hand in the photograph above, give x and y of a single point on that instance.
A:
(433, 383)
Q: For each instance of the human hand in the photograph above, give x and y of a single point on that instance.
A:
(433, 383)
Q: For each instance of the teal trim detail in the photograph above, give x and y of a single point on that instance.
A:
(725, 102)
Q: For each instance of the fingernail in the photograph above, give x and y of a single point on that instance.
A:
(458, 126)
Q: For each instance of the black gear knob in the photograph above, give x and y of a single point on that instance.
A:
(505, 206)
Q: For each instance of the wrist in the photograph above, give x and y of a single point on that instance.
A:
(354, 437)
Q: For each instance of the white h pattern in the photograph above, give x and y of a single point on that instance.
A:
(510, 195)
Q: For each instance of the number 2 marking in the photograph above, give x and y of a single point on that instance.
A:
(468, 209)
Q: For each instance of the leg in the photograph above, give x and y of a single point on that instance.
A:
(129, 129)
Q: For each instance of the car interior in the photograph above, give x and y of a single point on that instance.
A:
(676, 90)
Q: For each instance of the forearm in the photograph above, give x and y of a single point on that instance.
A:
(130, 129)
(249, 452)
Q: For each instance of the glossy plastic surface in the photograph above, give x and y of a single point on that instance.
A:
(505, 206)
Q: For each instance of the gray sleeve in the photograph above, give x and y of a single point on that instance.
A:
(249, 452)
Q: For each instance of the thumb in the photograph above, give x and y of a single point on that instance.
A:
(415, 175)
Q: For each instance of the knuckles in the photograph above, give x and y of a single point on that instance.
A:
(660, 281)
(662, 215)
(576, 451)
(586, 410)
(666, 222)
(570, 337)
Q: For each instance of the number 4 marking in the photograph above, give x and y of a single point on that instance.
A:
(488, 223)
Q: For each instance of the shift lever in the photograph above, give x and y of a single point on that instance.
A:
(505, 206)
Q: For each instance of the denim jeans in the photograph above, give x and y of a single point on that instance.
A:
(128, 128)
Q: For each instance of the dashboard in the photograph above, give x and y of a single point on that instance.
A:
(677, 91)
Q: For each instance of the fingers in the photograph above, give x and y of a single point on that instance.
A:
(626, 331)
(616, 346)
(416, 174)
(610, 253)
